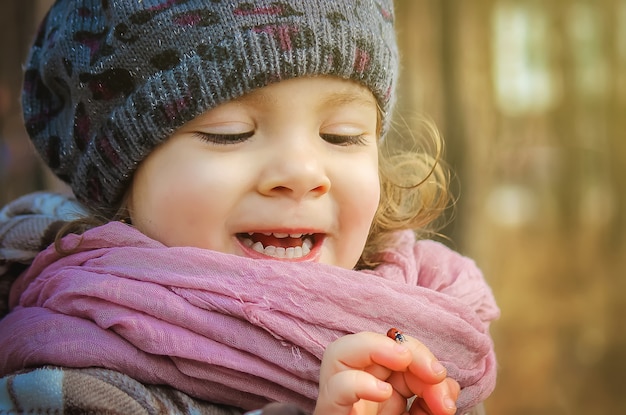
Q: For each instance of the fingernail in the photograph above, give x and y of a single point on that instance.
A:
(449, 403)
(437, 367)
(383, 386)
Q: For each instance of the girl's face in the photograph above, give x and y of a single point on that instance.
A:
(287, 172)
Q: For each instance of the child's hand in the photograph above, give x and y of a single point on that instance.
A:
(368, 373)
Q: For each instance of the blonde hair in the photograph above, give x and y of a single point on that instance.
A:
(414, 184)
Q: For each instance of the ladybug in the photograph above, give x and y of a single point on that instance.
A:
(395, 334)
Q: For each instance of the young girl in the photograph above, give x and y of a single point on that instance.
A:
(250, 235)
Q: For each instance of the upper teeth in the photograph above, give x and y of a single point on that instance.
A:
(280, 234)
(278, 251)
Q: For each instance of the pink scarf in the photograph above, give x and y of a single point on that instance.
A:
(234, 330)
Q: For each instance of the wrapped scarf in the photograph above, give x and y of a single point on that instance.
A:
(234, 330)
(27, 225)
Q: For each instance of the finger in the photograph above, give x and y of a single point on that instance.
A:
(454, 387)
(396, 404)
(441, 396)
(398, 382)
(419, 407)
(439, 399)
(344, 389)
(424, 364)
(364, 350)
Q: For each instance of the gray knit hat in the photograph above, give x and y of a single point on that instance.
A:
(108, 80)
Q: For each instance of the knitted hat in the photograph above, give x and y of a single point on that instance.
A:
(108, 80)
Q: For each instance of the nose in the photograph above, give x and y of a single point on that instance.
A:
(295, 170)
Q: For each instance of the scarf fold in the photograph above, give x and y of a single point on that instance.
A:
(28, 225)
(234, 330)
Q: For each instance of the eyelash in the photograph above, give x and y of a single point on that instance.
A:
(344, 140)
(225, 139)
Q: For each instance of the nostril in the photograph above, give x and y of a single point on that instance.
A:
(281, 189)
(321, 189)
(295, 191)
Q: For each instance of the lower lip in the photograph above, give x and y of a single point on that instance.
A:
(312, 256)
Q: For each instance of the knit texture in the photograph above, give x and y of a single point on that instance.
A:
(56, 390)
(107, 81)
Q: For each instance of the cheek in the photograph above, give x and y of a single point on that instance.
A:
(361, 194)
(171, 202)
(366, 188)
(365, 198)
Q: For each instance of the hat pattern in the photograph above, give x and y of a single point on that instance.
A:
(107, 81)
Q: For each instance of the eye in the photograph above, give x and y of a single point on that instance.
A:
(344, 140)
(224, 139)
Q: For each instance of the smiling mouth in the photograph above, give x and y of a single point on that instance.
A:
(279, 245)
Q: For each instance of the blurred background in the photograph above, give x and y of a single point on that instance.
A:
(530, 97)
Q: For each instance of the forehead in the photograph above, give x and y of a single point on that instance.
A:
(328, 90)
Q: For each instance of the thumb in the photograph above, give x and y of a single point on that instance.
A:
(344, 390)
